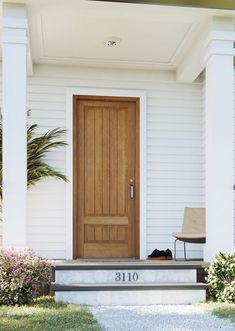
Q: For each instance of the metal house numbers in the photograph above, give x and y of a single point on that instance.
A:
(126, 276)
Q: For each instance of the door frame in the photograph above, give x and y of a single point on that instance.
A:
(141, 95)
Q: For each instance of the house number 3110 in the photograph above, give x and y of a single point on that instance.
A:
(126, 277)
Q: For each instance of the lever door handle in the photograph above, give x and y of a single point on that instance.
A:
(131, 188)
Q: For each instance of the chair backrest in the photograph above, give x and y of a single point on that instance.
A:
(194, 220)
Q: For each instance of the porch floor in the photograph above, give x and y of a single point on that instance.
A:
(132, 262)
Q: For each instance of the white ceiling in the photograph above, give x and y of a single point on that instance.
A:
(74, 31)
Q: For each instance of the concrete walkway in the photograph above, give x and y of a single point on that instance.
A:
(162, 318)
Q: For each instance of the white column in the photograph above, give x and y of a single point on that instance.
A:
(219, 138)
(14, 48)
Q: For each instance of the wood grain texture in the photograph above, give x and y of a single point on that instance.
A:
(95, 233)
(106, 157)
(113, 162)
(89, 158)
(122, 143)
(98, 161)
(106, 162)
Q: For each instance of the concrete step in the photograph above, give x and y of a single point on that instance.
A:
(130, 294)
(129, 283)
(126, 273)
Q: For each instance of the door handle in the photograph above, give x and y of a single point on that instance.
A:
(131, 188)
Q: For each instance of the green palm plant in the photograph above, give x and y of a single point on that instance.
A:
(38, 147)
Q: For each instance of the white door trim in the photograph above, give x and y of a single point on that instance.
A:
(69, 159)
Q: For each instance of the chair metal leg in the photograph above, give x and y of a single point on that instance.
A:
(185, 257)
(185, 251)
(175, 249)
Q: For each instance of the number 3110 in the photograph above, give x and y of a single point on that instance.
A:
(126, 277)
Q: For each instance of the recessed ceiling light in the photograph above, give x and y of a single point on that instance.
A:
(112, 42)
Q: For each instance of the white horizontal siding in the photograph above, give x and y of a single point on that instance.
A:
(174, 151)
(46, 201)
(46, 217)
(234, 164)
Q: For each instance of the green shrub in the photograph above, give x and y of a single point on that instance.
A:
(22, 276)
(221, 277)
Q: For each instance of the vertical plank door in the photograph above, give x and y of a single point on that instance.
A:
(106, 177)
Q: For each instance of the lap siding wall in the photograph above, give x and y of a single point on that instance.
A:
(175, 170)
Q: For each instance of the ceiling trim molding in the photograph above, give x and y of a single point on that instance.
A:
(187, 39)
(107, 63)
(216, 37)
(192, 62)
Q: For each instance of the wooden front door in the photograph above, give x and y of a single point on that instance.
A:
(106, 177)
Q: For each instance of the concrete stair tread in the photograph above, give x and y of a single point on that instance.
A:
(129, 266)
(96, 262)
(128, 286)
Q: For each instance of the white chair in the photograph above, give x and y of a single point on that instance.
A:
(193, 229)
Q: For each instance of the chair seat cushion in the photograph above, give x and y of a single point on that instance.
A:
(199, 238)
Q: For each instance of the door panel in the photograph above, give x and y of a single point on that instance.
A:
(106, 157)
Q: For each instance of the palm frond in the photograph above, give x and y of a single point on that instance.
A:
(39, 170)
(38, 147)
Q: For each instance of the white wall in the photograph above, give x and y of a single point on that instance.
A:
(234, 162)
(174, 151)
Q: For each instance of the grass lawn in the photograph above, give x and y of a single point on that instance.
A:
(224, 310)
(46, 315)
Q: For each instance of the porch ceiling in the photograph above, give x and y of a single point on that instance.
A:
(74, 32)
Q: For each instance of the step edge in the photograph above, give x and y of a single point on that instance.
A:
(127, 287)
(128, 267)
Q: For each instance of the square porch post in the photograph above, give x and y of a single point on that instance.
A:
(14, 117)
(219, 138)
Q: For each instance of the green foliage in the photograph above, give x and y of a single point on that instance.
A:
(221, 277)
(38, 147)
(22, 276)
(46, 315)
